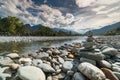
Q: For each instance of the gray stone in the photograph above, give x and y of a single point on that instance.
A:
(42, 55)
(36, 62)
(87, 60)
(70, 73)
(46, 68)
(105, 64)
(3, 76)
(13, 55)
(30, 73)
(97, 56)
(64, 53)
(55, 51)
(61, 75)
(25, 60)
(5, 61)
(67, 65)
(55, 78)
(49, 78)
(117, 63)
(116, 69)
(91, 71)
(110, 51)
(61, 60)
(88, 45)
(117, 74)
(78, 76)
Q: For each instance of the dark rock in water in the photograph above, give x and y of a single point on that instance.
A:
(68, 77)
(117, 74)
(104, 64)
(78, 76)
(87, 60)
(91, 71)
(109, 74)
(76, 63)
(97, 56)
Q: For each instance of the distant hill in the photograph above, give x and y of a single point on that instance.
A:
(36, 27)
(105, 29)
(113, 32)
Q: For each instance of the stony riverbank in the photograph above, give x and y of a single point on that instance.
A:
(67, 62)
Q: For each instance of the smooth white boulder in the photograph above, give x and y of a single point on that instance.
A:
(30, 73)
(91, 71)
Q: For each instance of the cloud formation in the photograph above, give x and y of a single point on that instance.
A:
(78, 15)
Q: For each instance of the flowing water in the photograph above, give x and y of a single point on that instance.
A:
(31, 44)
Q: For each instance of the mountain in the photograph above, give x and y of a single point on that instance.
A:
(64, 30)
(105, 29)
(33, 28)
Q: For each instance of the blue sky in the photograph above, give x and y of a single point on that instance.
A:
(77, 15)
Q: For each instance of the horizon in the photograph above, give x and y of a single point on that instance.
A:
(75, 15)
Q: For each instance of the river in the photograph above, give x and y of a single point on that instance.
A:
(31, 44)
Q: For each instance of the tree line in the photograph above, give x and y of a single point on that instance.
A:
(12, 26)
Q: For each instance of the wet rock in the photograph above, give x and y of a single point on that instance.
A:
(91, 71)
(87, 60)
(30, 73)
(104, 64)
(117, 74)
(97, 56)
(13, 55)
(5, 61)
(46, 68)
(68, 77)
(78, 76)
(67, 65)
(70, 73)
(109, 74)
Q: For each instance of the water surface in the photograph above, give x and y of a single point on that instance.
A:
(32, 44)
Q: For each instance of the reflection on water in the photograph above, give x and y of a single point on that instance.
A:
(28, 47)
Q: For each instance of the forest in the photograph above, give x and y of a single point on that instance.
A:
(12, 26)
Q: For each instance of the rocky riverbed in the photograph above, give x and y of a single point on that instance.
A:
(67, 62)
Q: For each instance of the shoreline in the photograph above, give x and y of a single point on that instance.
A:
(66, 62)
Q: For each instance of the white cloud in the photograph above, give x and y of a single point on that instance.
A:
(89, 14)
(84, 3)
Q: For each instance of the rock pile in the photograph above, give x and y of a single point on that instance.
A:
(68, 62)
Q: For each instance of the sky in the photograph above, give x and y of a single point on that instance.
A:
(76, 15)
